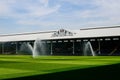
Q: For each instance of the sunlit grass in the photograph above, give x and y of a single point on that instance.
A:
(12, 66)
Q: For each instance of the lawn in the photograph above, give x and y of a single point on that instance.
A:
(15, 66)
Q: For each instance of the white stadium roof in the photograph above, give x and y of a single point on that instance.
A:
(64, 34)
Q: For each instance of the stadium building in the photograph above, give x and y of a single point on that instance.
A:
(103, 40)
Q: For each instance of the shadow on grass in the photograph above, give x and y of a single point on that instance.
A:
(108, 72)
(9, 62)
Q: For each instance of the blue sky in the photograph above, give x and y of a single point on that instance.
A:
(18, 16)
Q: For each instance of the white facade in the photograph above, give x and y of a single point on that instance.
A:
(82, 33)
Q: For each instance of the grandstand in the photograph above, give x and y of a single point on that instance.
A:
(105, 41)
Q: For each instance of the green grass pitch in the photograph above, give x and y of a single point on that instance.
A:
(14, 66)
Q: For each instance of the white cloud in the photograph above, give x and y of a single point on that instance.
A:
(38, 23)
(42, 13)
(4, 8)
(23, 14)
(106, 13)
(79, 2)
(39, 8)
(37, 11)
(44, 2)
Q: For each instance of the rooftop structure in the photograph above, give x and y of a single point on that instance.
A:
(64, 34)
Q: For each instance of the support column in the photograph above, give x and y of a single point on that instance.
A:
(99, 46)
(51, 48)
(73, 47)
(3, 48)
(16, 47)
